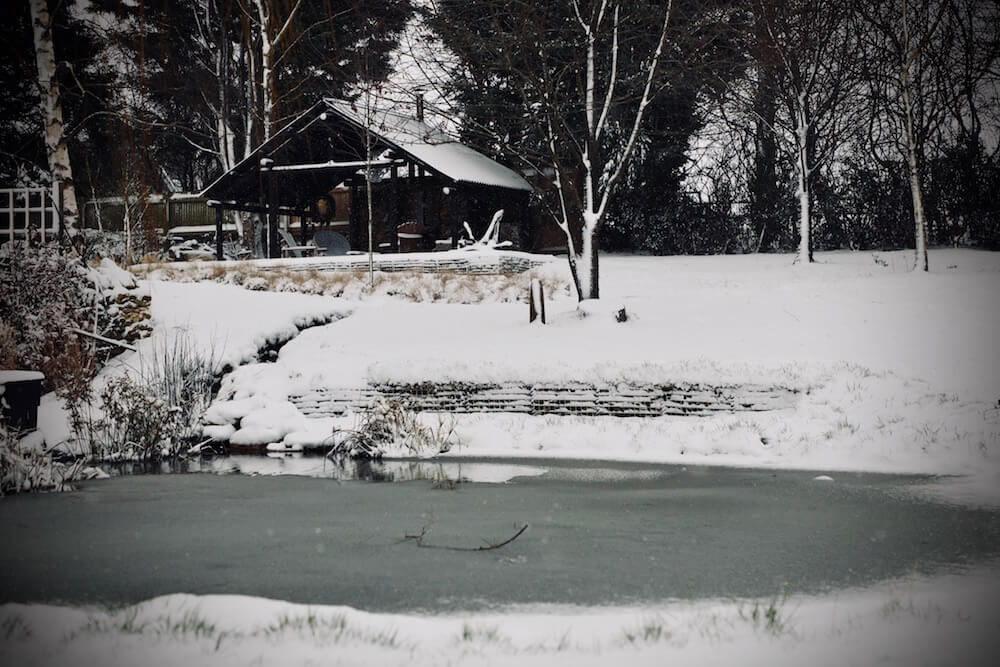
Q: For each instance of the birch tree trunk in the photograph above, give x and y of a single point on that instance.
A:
(224, 129)
(912, 149)
(817, 44)
(602, 174)
(56, 149)
(249, 86)
(916, 185)
(805, 168)
(264, 12)
(915, 48)
(271, 37)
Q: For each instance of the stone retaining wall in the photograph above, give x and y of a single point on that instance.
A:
(621, 400)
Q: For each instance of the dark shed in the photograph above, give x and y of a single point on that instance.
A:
(422, 180)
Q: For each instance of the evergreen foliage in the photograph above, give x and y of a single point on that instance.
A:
(165, 96)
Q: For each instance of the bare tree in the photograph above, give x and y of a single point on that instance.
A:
(746, 130)
(582, 76)
(274, 28)
(973, 63)
(911, 87)
(602, 169)
(818, 47)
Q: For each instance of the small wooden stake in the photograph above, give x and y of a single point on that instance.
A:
(536, 301)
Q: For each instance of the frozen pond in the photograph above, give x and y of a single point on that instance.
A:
(598, 534)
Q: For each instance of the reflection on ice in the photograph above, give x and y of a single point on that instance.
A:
(294, 463)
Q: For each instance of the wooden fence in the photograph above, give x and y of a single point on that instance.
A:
(33, 212)
(165, 212)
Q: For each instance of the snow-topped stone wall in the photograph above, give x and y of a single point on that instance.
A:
(620, 400)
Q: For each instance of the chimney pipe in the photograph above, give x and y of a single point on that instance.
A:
(420, 107)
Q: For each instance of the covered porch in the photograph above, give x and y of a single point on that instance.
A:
(313, 177)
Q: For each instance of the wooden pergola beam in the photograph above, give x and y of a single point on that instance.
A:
(249, 207)
(356, 164)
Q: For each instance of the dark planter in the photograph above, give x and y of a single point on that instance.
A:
(19, 397)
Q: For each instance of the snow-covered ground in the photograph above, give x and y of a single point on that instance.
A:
(947, 620)
(897, 371)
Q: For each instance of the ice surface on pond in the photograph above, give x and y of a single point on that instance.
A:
(278, 463)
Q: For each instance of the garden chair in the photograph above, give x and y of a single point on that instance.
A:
(293, 249)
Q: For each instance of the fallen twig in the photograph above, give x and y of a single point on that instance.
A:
(419, 540)
(103, 339)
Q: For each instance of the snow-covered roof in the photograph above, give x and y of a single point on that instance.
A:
(317, 143)
(433, 147)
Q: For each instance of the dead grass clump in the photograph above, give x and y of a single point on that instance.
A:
(416, 286)
(215, 272)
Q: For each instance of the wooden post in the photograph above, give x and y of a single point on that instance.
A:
(58, 201)
(422, 202)
(411, 191)
(166, 213)
(454, 211)
(303, 227)
(273, 246)
(536, 301)
(270, 190)
(393, 209)
(354, 217)
(218, 230)
(463, 214)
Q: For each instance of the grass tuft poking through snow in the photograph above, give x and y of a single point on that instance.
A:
(13, 627)
(650, 630)
(326, 629)
(946, 619)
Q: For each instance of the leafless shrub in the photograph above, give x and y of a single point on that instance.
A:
(135, 422)
(24, 469)
(180, 375)
(154, 414)
(391, 423)
(42, 294)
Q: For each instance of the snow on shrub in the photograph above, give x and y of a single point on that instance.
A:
(45, 295)
(136, 421)
(416, 286)
(391, 427)
(25, 466)
(42, 296)
(153, 412)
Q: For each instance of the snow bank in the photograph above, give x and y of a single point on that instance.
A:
(896, 371)
(942, 620)
(231, 324)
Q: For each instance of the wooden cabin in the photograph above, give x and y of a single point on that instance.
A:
(425, 185)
